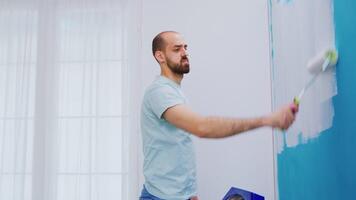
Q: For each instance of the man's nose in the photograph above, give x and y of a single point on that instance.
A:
(185, 53)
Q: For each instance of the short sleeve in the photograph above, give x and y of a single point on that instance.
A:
(162, 98)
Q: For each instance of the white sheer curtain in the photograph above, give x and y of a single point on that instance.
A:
(63, 100)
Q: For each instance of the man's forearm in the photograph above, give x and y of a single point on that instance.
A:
(219, 127)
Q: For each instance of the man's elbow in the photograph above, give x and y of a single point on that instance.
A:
(202, 130)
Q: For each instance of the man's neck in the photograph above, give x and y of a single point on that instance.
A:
(172, 76)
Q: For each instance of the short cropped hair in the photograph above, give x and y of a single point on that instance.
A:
(158, 42)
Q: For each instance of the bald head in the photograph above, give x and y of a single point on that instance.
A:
(159, 42)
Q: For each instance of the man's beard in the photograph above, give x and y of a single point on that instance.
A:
(179, 68)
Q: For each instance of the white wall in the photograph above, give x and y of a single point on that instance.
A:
(230, 76)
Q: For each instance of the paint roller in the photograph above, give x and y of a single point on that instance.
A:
(316, 66)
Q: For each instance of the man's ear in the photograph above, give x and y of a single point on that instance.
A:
(160, 56)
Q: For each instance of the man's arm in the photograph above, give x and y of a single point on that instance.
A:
(218, 127)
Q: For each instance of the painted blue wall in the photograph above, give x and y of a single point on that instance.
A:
(325, 168)
(345, 102)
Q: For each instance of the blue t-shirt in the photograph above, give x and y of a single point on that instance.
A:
(169, 158)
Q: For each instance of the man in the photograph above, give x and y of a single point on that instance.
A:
(167, 123)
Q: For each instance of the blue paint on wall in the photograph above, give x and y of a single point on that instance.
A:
(285, 1)
(325, 168)
(345, 102)
(308, 171)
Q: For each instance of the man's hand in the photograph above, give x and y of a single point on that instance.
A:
(284, 117)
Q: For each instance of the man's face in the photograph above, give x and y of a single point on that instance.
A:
(176, 53)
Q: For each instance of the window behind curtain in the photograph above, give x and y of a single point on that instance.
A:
(18, 58)
(85, 41)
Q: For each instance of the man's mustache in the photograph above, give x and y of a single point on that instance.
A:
(184, 58)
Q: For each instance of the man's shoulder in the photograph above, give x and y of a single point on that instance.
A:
(158, 87)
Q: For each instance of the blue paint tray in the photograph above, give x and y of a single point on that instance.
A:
(243, 194)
